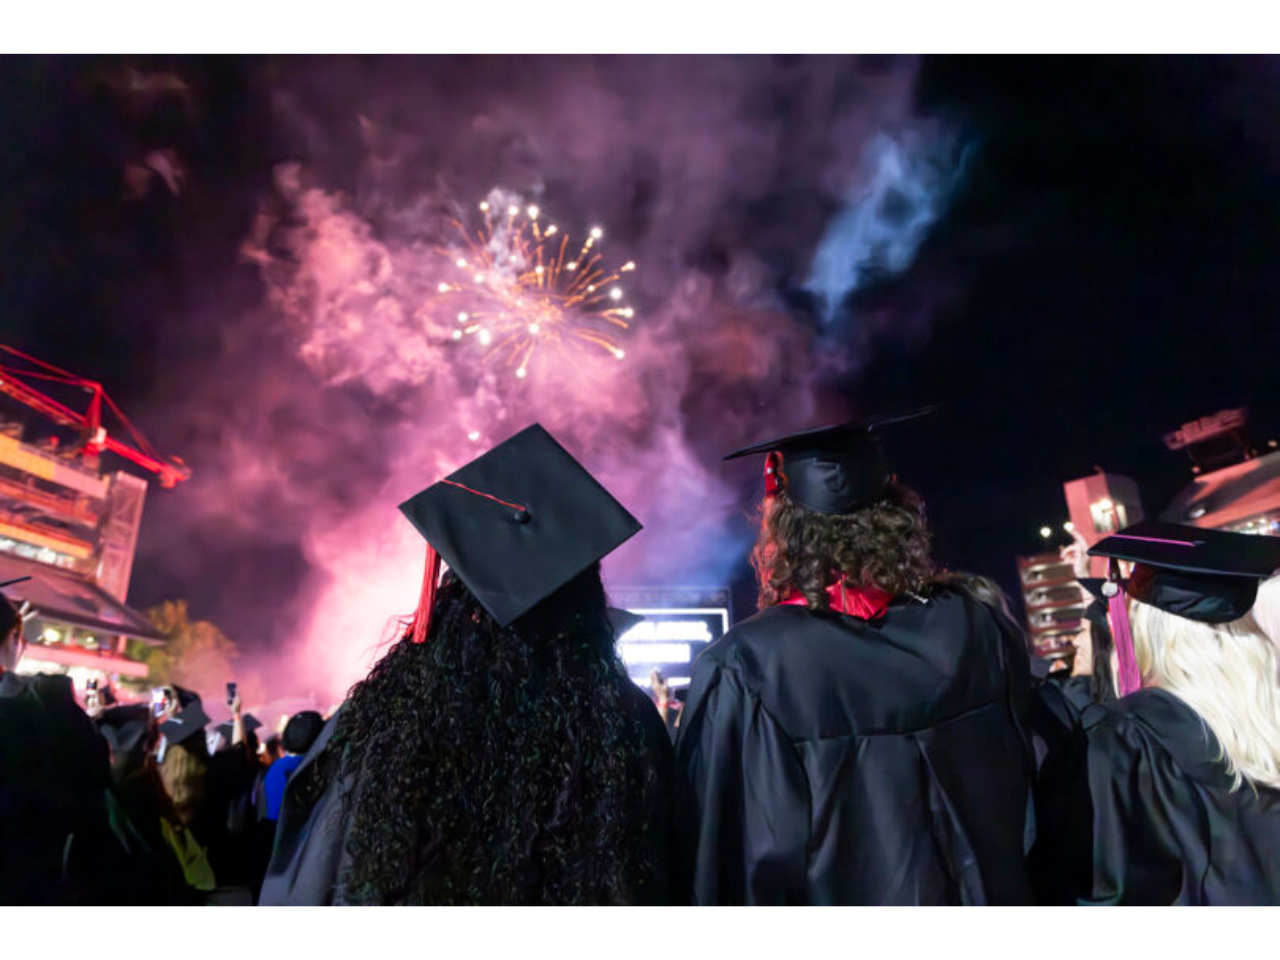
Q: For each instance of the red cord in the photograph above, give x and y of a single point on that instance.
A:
(487, 496)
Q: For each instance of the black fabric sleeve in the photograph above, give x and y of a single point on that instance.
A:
(742, 798)
(1140, 805)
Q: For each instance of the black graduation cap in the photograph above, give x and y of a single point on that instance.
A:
(187, 697)
(831, 470)
(1207, 575)
(185, 724)
(519, 522)
(251, 724)
(126, 728)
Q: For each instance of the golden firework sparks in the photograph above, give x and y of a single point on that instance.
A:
(523, 290)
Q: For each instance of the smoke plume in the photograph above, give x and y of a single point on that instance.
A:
(729, 181)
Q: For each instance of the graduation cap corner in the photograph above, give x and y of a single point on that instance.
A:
(515, 525)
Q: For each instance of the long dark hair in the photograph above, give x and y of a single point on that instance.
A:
(884, 545)
(497, 765)
(1101, 686)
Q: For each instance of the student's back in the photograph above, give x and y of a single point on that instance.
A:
(498, 753)
(862, 738)
(482, 767)
(878, 762)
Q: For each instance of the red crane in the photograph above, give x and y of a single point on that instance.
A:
(94, 438)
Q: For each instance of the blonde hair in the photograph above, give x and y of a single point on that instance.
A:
(1228, 674)
(1266, 609)
(183, 772)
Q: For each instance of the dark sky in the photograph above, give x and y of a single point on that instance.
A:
(1103, 273)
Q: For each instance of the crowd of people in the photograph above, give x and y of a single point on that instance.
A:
(878, 733)
(127, 804)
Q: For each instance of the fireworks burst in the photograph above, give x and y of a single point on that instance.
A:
(522, 289)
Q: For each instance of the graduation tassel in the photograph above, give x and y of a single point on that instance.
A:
(774, 478)
(1130, 677)
(427, 599)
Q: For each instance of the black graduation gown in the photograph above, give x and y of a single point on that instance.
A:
(64, 838)
(229, 819)
(309, 855)
(827, 760)
(1150, 817)
(1058, 704)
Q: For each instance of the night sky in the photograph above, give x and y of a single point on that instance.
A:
(1102, 271)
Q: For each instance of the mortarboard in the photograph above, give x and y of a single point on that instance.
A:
(1207, 575)
(126, 728)
(188, 722)
(830, 470)
(1210, 576)
(251, 724)
(187, 697)
(516, 524)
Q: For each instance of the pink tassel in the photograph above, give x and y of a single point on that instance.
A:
(1130, 676)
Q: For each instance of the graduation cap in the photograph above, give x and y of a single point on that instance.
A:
(126, 728)
(1207, 575)
(515, 525)
(831, 470)
(251, 724)
(187, 723)
(1210, 576)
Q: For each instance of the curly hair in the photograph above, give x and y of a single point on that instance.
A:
(498, 766)
(884, 545)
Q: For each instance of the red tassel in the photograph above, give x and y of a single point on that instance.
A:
(774, 478)
(427, 599)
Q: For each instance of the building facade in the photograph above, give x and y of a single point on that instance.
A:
(72, 529)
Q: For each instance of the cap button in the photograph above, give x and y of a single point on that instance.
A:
(521, 516)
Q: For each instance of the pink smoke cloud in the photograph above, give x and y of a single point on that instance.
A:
(361, 397)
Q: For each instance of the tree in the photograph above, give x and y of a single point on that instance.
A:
(196, 655)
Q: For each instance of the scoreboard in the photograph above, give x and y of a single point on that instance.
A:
(669, 627)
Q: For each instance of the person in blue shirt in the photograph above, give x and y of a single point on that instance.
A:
(299, 735)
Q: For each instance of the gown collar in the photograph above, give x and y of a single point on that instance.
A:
(865, 603)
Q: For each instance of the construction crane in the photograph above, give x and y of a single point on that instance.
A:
(18, 370)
